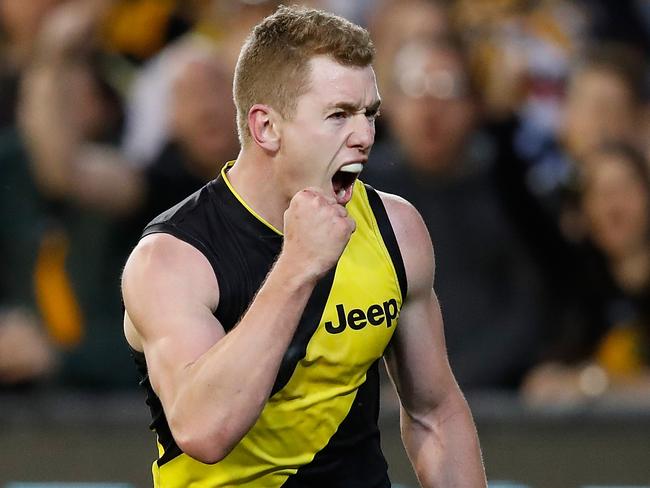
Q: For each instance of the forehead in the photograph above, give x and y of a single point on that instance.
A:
(331, 82)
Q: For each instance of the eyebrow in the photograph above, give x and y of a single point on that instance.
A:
(351, 107)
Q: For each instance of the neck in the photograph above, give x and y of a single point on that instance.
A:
(253, 178)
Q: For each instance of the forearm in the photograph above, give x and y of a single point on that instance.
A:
(224, 392)
(443, 446)
(52, 139)
(64, 164)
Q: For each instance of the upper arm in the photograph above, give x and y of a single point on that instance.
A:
(417, 359)
(170, 292)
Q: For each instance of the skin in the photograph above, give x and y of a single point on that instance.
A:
(25, 351)
(170, 290)
(599, 107)
(616, 206)
(202, 116)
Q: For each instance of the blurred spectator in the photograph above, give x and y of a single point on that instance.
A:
(72, 151)
(522, 53)
(148, 103)
(437, 159)
(83, 205)
(611, 352)
(202, 135)
(19, 26)
(221, 27)
(525, 55)
(54, 268)
(604, 102)
(69, 164)
(415, 18)
(605, 99)
(26, 353)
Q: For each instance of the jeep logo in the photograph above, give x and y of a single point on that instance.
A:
(357, 319)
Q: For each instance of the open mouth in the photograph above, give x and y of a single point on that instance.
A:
(344, 179)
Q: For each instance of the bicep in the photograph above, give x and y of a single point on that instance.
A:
(169, 293)
(417, 359)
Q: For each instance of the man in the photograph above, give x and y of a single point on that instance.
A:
(259, 307)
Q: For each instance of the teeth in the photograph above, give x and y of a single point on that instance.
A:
(341, 193)
(352, 168)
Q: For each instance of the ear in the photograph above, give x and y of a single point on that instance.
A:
(262, 125)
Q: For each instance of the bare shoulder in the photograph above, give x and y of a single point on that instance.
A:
(413, 239)
(166, 257)
(165, 276)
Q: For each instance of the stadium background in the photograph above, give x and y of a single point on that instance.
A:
(129, 79)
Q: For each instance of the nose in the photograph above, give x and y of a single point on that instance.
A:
(363, 133)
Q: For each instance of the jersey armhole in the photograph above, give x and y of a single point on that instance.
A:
(388, 235)
(162, 228)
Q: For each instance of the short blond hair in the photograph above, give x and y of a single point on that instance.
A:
(273, 65)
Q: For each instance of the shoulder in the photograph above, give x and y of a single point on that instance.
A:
(413, 240)
(164, 265)
(404, 217)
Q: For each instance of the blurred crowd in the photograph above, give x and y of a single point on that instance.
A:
(520, 129)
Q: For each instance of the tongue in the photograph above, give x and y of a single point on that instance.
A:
(340, 181)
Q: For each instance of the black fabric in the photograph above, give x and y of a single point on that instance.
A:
(159, 421)
(352, 458)
(306, 328)
(388, 235)
(240, 248)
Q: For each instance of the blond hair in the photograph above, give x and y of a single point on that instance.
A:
(273, 65)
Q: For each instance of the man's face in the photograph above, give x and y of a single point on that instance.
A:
(429, 108)
(326, 142)
(203, 116)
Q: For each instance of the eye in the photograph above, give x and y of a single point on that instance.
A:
(338, 115)
(372, 115)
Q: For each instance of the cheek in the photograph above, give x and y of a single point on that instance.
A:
(408, 124)
(639, 212)
(458, 121)
(620, 218)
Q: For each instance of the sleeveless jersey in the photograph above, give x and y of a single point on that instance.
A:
(319, 426)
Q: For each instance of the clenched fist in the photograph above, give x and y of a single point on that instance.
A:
(316, 231)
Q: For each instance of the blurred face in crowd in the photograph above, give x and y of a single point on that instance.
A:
(599, 108)
(416, 19)
(616, 204)
(429, 107)
(203, 116)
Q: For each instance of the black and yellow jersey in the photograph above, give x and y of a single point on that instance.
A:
(319, 426)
